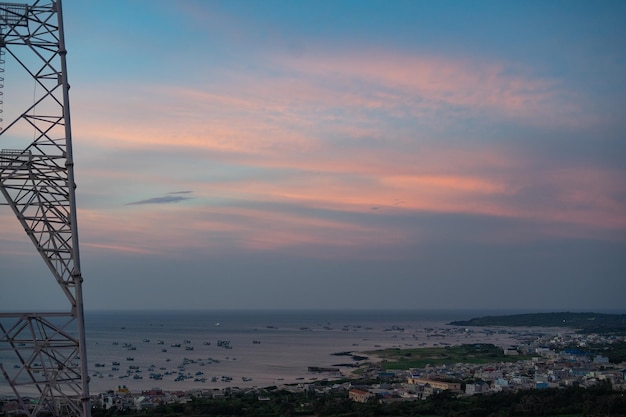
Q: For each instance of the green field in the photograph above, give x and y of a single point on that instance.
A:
(478, 353)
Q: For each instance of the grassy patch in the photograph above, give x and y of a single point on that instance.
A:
(478, 353)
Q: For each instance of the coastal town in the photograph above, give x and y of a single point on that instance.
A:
(550, 368)
(538, 361)
(552, 364)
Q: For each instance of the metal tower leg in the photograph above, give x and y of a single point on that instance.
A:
(37, 182)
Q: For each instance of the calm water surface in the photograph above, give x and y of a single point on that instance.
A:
(183, 350)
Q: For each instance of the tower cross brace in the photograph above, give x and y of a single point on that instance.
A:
(47, 371)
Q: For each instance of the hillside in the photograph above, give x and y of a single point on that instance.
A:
(582, 322)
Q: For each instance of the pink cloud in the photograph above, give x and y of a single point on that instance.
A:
(118, 248)
(427, 82)
(320, 132)
(314, 89)
(587, 196)
(213, 228)
(439, 181)
(478, 181)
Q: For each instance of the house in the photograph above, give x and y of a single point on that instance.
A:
(440, 385)
(115, 401)
(142, 402)
(580, 372)
(599, 359)
(511, 351)
(477, 388)
(360, 396)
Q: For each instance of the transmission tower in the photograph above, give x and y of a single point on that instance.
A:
(48, 370)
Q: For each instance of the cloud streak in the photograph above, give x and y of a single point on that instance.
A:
(173, 197)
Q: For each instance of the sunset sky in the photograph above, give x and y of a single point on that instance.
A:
(341, 154)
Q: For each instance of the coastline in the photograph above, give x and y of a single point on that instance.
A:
(268, 349)
(298, 358)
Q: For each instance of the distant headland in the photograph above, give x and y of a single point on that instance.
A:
(581, 322)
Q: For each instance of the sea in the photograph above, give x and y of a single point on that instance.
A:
(206, 350)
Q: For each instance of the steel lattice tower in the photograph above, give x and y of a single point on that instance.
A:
(49, 374)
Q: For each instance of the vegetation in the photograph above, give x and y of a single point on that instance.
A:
(477, 353)
(571, 402)
(583, 322)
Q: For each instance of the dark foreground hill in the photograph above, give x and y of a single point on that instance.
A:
(599, 401)
(582, 322)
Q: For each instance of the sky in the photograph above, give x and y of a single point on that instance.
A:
(341, 155)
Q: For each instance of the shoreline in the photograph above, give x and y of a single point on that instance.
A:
(258, 356)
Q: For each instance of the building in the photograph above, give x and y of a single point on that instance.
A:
(440, 385)
(359, 395)
(477, 388)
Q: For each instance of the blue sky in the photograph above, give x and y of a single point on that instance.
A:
(348, 154)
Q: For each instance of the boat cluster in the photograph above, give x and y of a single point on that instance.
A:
(186, 370)
(187, 343)
(179, 374)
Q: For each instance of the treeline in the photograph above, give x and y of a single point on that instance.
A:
(599, 401)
